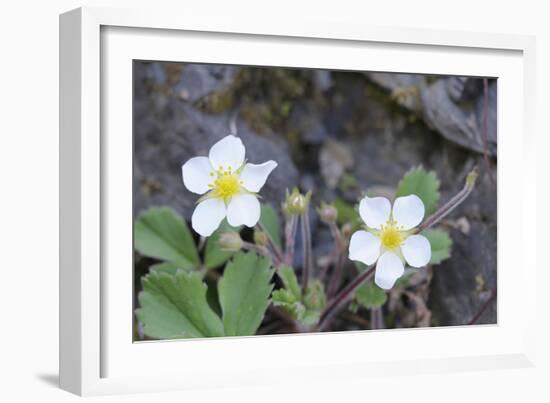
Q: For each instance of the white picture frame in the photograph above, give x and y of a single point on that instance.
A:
(96, 354)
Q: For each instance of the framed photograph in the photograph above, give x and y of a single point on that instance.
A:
(244, 203)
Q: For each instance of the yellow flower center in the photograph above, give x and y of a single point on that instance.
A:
(226, 184)
(391, 235)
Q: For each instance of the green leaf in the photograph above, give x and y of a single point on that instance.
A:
(175, 306)
(166, 267)
(161, 233)
(347, 213)
(284, 299)
(287, 275)
(315, 297)
(244, 293)
(360, 266)
(307, 308)
(315, 301)
(422, 183)
(441, 244)
(270, 221)
(213, 255)
(311, 317)
(370, 295)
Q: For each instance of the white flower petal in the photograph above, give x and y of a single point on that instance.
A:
(227, 153)
(254, 176)
(243, 209)
(208, 215)
(408, 211)
(417, 250)
(388, 269)
(196, 175)
(375, 211)
(364, 247)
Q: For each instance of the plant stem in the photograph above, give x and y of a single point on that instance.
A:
(454, 202)
(334, 282)
(339, 260)
(376, 318)
(261, 250)
(306, 244)
(484, 307)
(326, 265)
(271, 242)
(202, 243)
(357, 319)
(343, 296)
(290, 238)
(336, 234)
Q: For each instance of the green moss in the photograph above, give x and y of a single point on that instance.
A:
(267, 96)
(217, 102)
(173, 73)
(290, 82)
(431, 79)
(466, 104)
(390, 103)
(258, 116)
(294, 141)
(285, 109)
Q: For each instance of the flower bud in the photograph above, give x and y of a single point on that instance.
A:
(328, 213)
(230, 241)
(295, 202)
(260, 238)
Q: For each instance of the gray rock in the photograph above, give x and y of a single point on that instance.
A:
(199, 80)
(462, 284)
(305, 119)
(167, 132)
(322, 79)
(453, 106)
(334, 159)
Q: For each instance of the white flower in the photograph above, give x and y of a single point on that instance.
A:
(228, 185)
(389, 238)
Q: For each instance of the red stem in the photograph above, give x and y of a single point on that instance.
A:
(343, 296)
(339, 260)
(449, 206)
(273, 246)
(484, 307)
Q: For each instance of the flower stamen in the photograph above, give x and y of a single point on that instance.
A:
(226, 185)
(391, 235)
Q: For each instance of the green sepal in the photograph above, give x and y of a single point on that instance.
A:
(214, 256)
